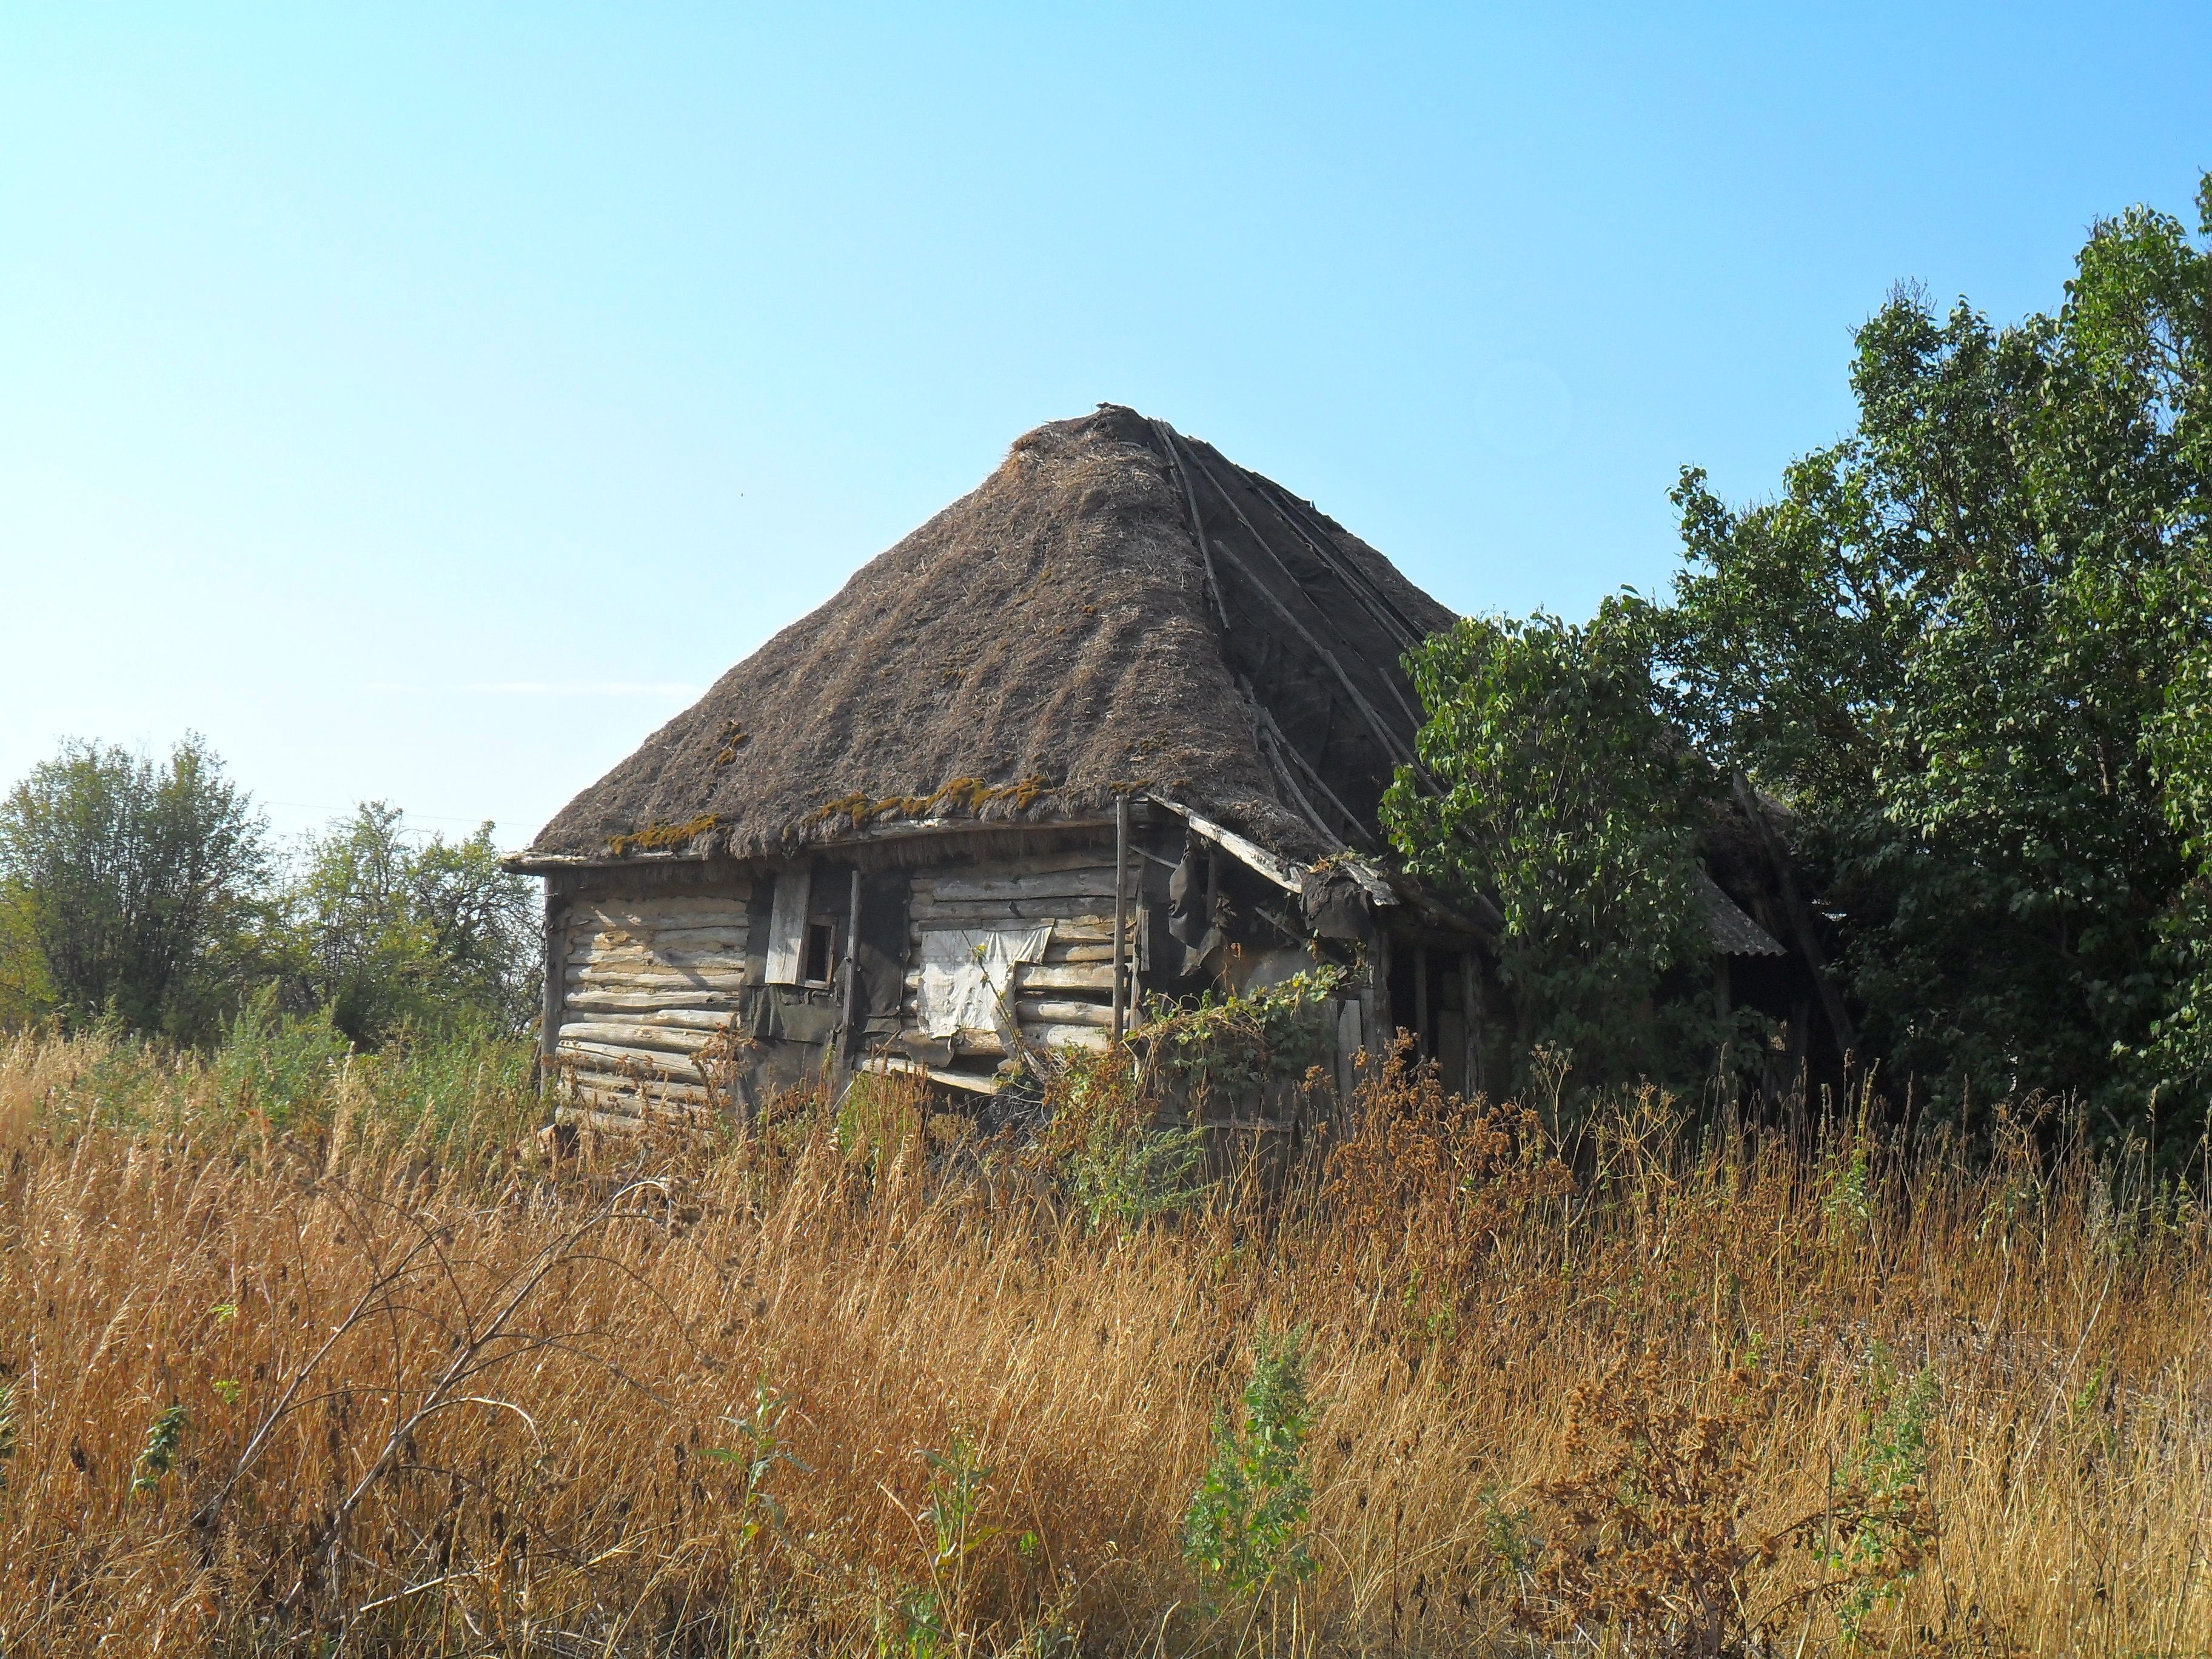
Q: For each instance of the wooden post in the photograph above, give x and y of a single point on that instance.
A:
(845, 1022)
(1377, 1019)
(1470, 996)
(549, 1027)
(1422, 1044)
(1120, 914)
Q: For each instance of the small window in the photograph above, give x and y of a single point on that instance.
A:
(821, 946)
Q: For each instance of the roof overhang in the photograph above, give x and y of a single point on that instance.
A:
(527, 863)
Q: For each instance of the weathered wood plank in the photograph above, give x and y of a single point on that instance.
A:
(1064, 884)
(612, 1104)
(685, 938)
(590, 1000)
(1066, 976)
(655, 994)
(734, 961)
(1097, 856)
(985, 1044)
(1042, 907)
(651, 938)
(657, 1039)
(609, 1083)
(720, 957)
(1032, 1011)
(712, 1021)
(613, 1083)
(715, 914)
(1058, 952)
(653, 1061)
(1078, 915)
(1069, 1036)
(644, 978)
(1065, 930)
(733, 896)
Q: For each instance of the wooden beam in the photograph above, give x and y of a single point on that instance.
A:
(1423, 1042)
(851, 968)
(1282, 871)
(556, 938)
(1120, 910)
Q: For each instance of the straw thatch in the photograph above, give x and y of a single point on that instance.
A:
(1063, 633)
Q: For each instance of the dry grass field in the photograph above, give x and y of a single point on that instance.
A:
(364, 1370)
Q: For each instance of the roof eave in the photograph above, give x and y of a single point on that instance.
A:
(533, 863)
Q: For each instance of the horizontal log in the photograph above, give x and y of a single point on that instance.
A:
(1065, 930)
(621, 1034)
(733, 893)
(1066, 976)
(612, 1002)
(618, 1110)
(1068, 1036)
(673, 961)
(681, 938)
(1058, 904)
(1058, 952)
(897, 1066)
(613, 1057)
(684, 943)
(985, 1044)
(732, 967)
(1062, 883)
(614, 1083)
(684, 912)
(1097, 856)
(608, 1087)
(1034, 1011)
(645, 978)
(712, 1021)
(651, 993)
(1081, 928)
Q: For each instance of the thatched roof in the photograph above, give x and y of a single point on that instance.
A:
(1062, 634)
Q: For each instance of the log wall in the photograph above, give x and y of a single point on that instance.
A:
(1066, 1000)
(649, 980)
(653, 972)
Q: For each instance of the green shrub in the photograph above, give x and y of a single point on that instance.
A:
(1242, 1531)
(282, 1065)
(1105, 1152)
(1242, 1043)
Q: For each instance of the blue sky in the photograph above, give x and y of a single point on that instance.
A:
(423, 403)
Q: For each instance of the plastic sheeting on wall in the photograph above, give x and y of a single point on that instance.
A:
(966, 972)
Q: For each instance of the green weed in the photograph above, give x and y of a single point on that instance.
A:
(1243, 1528)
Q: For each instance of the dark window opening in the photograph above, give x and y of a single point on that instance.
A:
(820, 945)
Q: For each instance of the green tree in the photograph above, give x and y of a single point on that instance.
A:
(1967, 649)
(127, 883)
(1557, 789)
(387, 932)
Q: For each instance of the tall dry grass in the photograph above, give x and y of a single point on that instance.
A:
(441, 1392)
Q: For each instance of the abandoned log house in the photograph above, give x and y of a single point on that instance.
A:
(1115, 724)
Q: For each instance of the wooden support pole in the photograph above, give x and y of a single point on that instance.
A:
(549, 1029)
(1121, 915)
(1377, 1019)
(845, 1020)
(1424, 1045)
(1470, 997)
